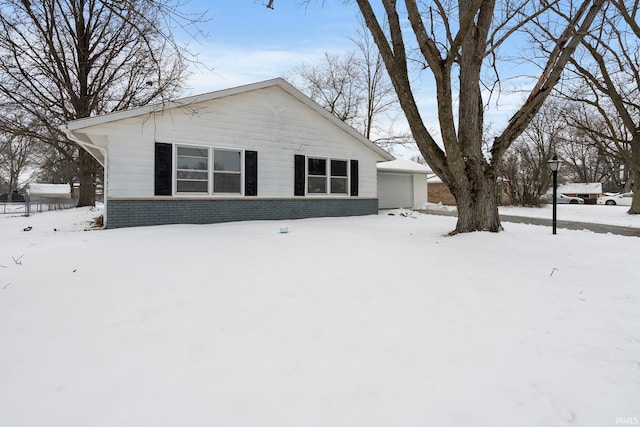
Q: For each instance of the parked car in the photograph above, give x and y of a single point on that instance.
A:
(562, 199)
(15, 197)
(623, 199)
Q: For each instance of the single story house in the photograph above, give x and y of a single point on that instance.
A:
(256, 152)
(589, 191)
(438, 192)
(402, 184)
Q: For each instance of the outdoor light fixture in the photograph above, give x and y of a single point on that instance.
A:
(554, 165)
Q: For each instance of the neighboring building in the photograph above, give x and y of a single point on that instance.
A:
(438, 192)
(38, 191)
(256, 152)
(589, 191)
(402, 184)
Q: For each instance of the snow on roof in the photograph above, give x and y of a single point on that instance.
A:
(403, 165)
(37, 188)
(581, 188)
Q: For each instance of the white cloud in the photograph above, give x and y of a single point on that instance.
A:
(229, 66)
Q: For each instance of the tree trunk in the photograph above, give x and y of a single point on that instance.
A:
(87, 174)
(477, 202)
(635, 201)
(635, 176)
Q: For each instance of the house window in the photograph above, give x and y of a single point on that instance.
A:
(317, 176)
(196, 167)
(327, 176)
(227, 174)
(192, 170)
(339, 176)
(321, 176)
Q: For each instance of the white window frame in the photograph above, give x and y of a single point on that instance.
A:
(240, 172)
(328, 177)
(210, 171)
(347, 177)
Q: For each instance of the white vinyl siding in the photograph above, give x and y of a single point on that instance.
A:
(269, 121)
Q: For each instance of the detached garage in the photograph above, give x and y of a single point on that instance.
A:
(402, 184)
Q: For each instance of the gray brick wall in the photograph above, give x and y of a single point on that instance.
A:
(135, 213)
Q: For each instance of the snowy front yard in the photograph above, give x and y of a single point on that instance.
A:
(367, 321)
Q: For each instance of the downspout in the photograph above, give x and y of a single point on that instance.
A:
(88, 146)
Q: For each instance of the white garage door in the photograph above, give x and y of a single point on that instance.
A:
(395, 191)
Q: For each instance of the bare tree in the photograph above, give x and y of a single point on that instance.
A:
(17, 155)
(335, 84)
(608, 89)
(55, 168)
(458, 42)
(549, 133)
(583, 161)
(354, 87)
(67, 59)
(380, 96)
(525, 164)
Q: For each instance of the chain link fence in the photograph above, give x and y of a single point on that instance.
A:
(36, 205)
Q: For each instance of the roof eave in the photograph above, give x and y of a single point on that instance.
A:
(75, 125)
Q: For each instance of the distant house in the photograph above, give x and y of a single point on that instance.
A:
(402, 184)
(438, 192)
(256, 152)
(39, 191)
(589, 191)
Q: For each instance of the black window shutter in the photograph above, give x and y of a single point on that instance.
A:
(250, 173)
(354, 177)
(298, 175)
(163, 170)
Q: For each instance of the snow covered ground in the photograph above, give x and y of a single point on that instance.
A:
(380, 320)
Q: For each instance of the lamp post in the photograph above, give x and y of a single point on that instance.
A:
(554, 164)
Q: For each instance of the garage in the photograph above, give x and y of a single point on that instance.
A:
(395, 190)
(402, 184)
